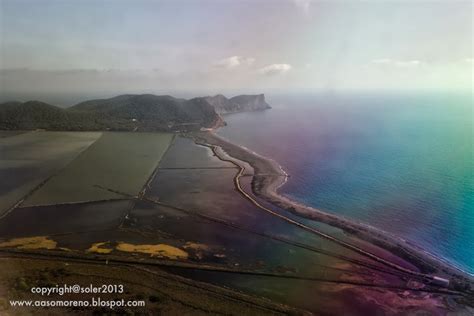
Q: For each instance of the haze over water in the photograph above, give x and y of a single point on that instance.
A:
(402, 163)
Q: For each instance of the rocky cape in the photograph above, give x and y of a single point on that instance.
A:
(130, 112)
(240, 103)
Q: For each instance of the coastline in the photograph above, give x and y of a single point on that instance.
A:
(269, 176)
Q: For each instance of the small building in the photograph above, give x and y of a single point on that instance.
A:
(440, 281)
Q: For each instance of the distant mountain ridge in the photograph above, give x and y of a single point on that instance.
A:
(129, 112)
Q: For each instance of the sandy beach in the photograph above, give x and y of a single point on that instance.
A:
(269, 176)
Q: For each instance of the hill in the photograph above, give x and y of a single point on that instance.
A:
(130, 112)
(151, 112)
(38, 115)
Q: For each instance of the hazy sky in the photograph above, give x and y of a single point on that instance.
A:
(228, 46)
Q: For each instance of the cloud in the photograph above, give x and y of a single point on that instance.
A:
(303, 5)
(382, 61)
(397, 63)
(234, 61)
(275, 69)
(468, 60)
(409, 63)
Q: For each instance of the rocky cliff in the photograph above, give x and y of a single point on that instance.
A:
(240, 103)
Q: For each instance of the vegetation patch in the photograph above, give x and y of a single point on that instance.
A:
(98, 247)
(196, 246)
(198, 250)
(40, 242)
(159, 250)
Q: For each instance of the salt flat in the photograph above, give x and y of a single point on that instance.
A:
(119, 162)
(28, 159)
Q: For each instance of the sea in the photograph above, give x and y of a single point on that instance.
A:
(402, 162)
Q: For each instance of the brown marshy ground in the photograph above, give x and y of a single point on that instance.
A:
(162, 293)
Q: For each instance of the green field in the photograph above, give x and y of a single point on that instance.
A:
(27, 159)
(117, 161)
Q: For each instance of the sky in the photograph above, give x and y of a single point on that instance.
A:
(224, 46)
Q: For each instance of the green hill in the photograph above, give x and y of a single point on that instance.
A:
(129, 112)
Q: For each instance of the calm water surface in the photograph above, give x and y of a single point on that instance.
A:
(403, 163)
